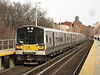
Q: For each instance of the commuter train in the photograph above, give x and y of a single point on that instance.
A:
(38, 44)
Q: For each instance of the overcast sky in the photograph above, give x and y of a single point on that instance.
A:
(66, 10)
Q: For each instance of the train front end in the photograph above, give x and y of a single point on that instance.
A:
(30, 46)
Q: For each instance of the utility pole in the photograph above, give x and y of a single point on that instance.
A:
(36, 12)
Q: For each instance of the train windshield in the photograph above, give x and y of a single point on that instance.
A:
(30, 35)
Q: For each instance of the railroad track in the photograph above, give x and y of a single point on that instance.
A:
(71, 66)
(52, 67)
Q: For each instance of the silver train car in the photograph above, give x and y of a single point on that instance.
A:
(38, 44)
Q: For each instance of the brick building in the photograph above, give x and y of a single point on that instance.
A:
(97, 29)
(90, 31)
(77, 26)
(66, 26)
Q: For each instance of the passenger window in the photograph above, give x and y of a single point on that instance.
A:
(47, 38)
(50, 40)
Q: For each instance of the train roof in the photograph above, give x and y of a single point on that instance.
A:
(49, 29)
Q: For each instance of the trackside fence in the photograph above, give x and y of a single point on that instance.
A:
(7, 43)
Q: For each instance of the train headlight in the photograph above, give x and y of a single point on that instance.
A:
(32, 28)
(19, 46)
(28, 28)
(40, 47)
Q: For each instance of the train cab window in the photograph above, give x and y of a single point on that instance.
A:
(46, 38)
(21, 40)
(39, 37)
(34, 36)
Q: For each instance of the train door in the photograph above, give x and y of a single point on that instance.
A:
(53, 40)
(49, 40)
(65, 37)
(71, 38)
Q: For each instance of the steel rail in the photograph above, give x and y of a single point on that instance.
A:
(81, 62)
(36, 69)
(60, 61)
(52, 61)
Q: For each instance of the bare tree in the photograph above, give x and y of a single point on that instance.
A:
(13, 15)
